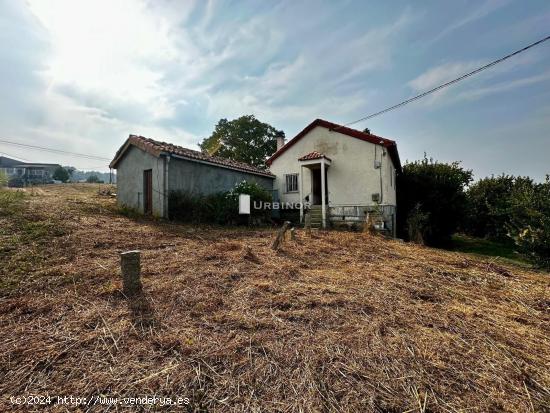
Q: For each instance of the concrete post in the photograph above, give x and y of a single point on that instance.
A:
(323, 190)
(131, 272)
(308, 223)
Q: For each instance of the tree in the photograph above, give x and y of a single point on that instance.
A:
(488, 207)
(93, 179)
(529, 219)
(71, 170)
(61, 174)
(245, 139)
(432, 194)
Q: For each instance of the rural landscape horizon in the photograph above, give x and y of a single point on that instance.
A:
(214, 206)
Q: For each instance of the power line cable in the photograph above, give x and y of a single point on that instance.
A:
(59, 151)
(458, 79)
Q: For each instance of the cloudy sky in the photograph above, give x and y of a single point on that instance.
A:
(82, 75)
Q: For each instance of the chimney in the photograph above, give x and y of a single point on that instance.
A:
(280, 142)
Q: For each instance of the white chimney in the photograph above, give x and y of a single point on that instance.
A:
(280, 142)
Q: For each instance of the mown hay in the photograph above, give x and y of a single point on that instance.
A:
(337, 322)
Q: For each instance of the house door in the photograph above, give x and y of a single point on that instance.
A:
(148, 191)
(316, 186)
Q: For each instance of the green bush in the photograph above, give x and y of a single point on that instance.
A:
(432, 194)
(128, 212)
(490, 203)
(508, 208)
(257, 195)
(10, 201)
(16, 182)
(61, 174)
(529, 221)
(93, 179)
(3, 179)
(220, 208)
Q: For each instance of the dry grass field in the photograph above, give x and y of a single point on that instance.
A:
(340, 322)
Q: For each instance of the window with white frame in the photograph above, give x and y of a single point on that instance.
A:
(291, 183)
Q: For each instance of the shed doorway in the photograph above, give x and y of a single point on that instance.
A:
(148, 191)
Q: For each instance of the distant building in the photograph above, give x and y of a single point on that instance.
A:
(27, 173)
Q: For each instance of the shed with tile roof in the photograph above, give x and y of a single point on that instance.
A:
(148, 170)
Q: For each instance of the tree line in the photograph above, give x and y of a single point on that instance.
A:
(436, 200)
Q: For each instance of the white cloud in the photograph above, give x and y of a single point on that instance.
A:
(441, 74)
(114, 49)
(482, 10)
(503, 87)
(446, 72)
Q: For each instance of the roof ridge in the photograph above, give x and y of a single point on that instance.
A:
(390, 144)
(337, 126)
(157, 147)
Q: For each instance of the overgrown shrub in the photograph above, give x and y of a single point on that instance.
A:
(508, 208)
(16, 182)
(220, 208)
(10, 201)
(437, 190)
(416, 224)
(3, 179)
(128, 212)
(490, 206)
(529, 223)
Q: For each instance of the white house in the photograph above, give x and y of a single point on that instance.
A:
(355, 170)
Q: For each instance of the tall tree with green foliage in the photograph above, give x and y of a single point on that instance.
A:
(490, 205)
(61, 174)
(93, 179)
(513, 209)
(435, 191)
(245, 139)
(529, 219)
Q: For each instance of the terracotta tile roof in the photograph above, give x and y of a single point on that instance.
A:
(313, 155)
(156, 148)
(368, 137)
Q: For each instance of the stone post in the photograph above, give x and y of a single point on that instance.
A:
(131, 272)
(308, 223)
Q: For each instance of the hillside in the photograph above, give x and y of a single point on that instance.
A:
(337, 322)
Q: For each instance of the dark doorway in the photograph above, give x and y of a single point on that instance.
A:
(148, 191)
(316, 186)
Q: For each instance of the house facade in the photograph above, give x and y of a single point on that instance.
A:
(148, 170)
(25, 173)
(355, 171)
(340, 176)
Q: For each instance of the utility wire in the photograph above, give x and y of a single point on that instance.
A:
(82, 155)
(458, 79)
